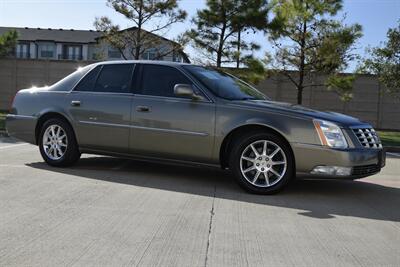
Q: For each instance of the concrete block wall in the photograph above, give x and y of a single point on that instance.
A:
(16, 74)
(369, 103)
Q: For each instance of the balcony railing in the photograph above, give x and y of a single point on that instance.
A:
(70, 57)
(22, 55)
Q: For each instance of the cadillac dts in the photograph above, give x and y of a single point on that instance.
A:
(186, 113)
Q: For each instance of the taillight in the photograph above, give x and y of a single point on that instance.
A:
(11, 103)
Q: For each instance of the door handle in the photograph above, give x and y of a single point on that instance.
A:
(75, 103)
(142, 109)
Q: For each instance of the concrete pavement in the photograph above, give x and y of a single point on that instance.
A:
(111, 212)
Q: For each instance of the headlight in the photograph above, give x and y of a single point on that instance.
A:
(330, 134)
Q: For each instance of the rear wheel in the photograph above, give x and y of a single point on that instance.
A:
(57, 143)
(262, 162)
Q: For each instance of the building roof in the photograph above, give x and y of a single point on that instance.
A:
(56, 35)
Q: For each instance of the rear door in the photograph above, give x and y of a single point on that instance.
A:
(164, 125)
(101, 108)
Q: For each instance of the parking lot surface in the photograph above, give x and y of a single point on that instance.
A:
(110, 212)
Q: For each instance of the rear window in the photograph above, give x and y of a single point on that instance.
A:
(115, 78)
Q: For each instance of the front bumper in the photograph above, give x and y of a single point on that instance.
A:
(363, 162)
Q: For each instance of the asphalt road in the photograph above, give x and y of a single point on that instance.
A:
(111, 212)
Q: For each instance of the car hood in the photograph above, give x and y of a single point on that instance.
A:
(298, 110)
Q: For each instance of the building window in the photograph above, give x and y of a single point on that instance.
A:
(113, 53)
(72, 52)
(46, 50)
(22, 50)
(176, 57)
(151, 54)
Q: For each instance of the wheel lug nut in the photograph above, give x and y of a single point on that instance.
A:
(262, 169)
(257, 164)
(268, 166)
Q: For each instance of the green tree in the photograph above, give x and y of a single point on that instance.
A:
(308, 43)
(8, 41)
(150, 18)
(219, 27)
(252, 16)
(385, 61)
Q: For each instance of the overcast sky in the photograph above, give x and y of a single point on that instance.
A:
(376, 16)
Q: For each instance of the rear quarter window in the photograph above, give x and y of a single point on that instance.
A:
(88, 82)
(68, 83)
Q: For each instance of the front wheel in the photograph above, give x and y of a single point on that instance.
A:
(262, 163)
(57, 143)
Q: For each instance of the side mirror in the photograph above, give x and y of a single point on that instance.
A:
(186, 90)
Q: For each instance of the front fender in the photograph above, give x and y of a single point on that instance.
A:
(294, 129)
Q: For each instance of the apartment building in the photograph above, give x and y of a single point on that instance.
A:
(70, 44)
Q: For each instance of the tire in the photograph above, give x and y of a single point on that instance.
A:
(58, 150)
(270, 175)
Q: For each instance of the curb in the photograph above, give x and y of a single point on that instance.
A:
(395, 149)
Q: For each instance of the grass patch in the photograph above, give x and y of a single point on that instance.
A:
(3, 120)
(389, 138)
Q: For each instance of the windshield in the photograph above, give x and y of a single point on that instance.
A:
(224, 85)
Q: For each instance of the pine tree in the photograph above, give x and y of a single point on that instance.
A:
(384, 61)
(159, 14)
(8, 41)
(309, 41)
(218, 28)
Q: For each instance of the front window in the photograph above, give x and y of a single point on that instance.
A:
(224, 85)
(160, 80)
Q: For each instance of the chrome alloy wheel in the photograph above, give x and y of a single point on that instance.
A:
(55, 142)
(263, 163)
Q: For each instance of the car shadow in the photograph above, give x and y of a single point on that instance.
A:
(321, 199)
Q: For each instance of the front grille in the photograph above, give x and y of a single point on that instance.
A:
(368, 137)
(366, 169)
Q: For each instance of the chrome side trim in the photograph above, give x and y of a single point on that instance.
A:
(169, 130)
(106, 124)
(171, 98)
(145, 128)
(20, 116)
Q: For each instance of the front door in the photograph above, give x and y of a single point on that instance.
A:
(164, 125)
(100, 106)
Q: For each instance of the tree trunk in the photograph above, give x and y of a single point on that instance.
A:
(139, 32)
(221, 40)
(300, 95)
(238, 50)
(220, 46)
(300, 86)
